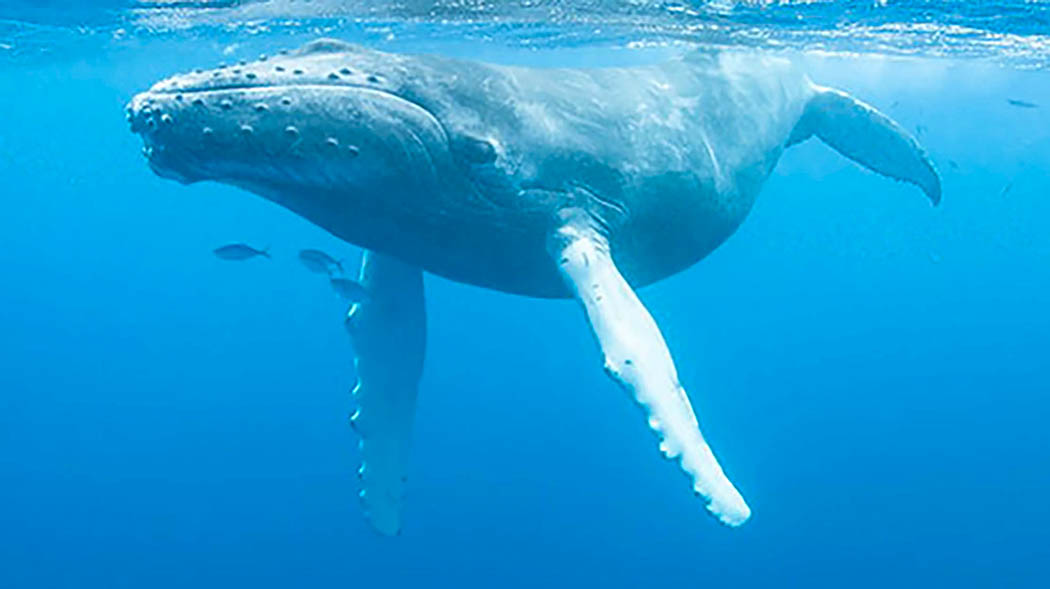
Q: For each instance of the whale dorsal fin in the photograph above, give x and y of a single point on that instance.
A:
(868, 137)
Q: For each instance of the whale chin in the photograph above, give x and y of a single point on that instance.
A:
(172, 174)
(166, 167)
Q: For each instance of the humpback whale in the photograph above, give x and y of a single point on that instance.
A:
(557, 183)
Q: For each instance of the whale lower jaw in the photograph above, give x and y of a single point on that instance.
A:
(171, 174)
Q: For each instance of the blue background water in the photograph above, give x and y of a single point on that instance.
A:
(872, 371)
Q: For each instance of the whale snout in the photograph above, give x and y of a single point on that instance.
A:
(152, 117)
(312, 119)
(259, 133)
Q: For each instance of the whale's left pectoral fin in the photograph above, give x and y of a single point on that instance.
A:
(868, 137)
(637, 358)
(389, 335)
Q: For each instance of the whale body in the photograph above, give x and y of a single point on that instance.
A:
(584, 183)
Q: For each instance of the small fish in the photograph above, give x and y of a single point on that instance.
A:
(319, 262)
(1021, 103)
(239, 251)
(1006, 189)
(350, 290)
(953, 165)
(920, 129)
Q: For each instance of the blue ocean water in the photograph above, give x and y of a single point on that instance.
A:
(871, 371)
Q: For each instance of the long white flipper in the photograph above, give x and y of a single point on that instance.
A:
(637, 358)
(389, 335)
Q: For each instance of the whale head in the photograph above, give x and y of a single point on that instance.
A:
(328, 117)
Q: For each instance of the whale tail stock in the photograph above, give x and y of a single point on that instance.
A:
(868, 137)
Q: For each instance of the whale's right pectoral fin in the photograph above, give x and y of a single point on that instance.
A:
(637, 358)
(868, 137)
(389, 335)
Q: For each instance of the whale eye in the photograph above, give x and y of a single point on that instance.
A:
(473, 149)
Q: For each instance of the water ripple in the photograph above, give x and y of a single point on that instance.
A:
(1016, 32)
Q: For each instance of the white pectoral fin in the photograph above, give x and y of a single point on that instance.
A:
(637, 358)
(868, 137)
(389, 336)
